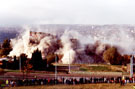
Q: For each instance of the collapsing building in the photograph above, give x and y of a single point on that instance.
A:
(36, 37)
(67, 47)
(46, 43)
(54, 45)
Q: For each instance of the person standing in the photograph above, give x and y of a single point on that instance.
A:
(7, 83)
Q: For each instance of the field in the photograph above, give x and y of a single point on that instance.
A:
(96, 67)
(103, 68)
(83, 86)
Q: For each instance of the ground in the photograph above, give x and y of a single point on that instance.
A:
(83, 86)
(84, 70)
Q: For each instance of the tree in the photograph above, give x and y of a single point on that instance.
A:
(6, 48)
(36, 60)
(51, 58)
(112, 56)
(6, 43)
(15, 63)
(4, 64)
(126, 59)
(25, 64)
(23, 58)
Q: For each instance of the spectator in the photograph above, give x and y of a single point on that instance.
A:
(7, 83)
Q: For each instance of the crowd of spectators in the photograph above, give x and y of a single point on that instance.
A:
(66, 80)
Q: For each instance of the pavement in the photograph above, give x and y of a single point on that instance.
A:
(20, 75)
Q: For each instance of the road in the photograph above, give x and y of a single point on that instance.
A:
(20, 75)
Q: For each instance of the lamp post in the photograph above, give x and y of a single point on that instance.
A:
(55, 69)
(69, 64)
(131, 66)
(20, 64)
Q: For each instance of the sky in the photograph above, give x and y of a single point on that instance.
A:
(29, 12)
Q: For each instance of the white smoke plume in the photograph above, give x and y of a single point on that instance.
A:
(22, 44)
(80, 44)
(67, 50)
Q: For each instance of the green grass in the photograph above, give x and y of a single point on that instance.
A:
(95, 68)
(83, 69)
(101, 68)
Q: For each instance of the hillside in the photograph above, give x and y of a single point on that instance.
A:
(8, 33)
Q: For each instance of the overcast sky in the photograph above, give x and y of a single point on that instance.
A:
(23, 12)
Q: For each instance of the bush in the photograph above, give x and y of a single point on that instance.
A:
(112, 56)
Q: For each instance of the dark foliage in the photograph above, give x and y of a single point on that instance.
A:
(5, 48)
(36, 60)
(112, 56)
